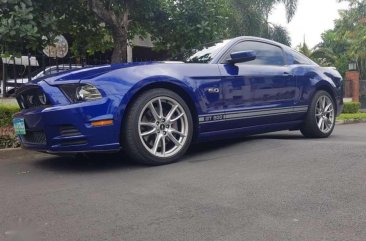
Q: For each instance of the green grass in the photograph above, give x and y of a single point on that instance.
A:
(356, 116)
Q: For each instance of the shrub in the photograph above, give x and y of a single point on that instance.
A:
(351, 107)
(6, 114)
(8, 138)
(7, 135)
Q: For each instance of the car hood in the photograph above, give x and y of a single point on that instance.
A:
(77, 75)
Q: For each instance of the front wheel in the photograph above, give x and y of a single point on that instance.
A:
(158, 129)
(321, 118)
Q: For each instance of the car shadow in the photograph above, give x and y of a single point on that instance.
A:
(222, 143)
(279, 136)
(96, 162)
(109, 162)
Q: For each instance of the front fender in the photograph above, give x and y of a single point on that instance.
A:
(125, 83)
(156, 82)
(311, 79)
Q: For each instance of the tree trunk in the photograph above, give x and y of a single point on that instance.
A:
(118, 23)
(119, 54)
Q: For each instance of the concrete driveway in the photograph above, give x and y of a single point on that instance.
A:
(270, 187)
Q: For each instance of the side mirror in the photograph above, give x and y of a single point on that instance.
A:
(242, 56)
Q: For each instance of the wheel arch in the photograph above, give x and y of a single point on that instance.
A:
(330, 91)
(170, 86)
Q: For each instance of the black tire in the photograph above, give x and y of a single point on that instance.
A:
(132, 140)
(310, 128)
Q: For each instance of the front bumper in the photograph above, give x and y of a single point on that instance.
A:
(67, 128)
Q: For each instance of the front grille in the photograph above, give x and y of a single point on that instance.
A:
(68, 130)
(30, 96)
(34, 137)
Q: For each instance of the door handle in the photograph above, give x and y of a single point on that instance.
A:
(286, 74)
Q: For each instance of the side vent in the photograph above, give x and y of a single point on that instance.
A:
(68, 131)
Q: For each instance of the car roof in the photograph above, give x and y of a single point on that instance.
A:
(258, 39)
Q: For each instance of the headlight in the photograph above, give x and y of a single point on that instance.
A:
(77, 93)
(87, 93)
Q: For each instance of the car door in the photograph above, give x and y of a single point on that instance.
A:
(257, 92)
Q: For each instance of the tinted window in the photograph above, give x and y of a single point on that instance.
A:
(297, 58)
(205, 53)
(267, 54)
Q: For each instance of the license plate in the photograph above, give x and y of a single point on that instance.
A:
(19, 126)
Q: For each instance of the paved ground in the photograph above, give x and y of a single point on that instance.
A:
(271, 187)
(8, 101)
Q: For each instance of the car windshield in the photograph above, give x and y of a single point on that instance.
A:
(204, 53)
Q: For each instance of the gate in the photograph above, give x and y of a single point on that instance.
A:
(363, 94)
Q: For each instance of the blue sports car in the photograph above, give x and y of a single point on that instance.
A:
(155, 110)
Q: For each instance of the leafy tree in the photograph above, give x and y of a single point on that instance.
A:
(99, 25)
(280, 34)
(24, 23)
(352, 26)
(250, 17)
(334, 47)
(184, 24)
(79, 24)
(320, 54)
(304, 49)
(124, 18)
(93, 25)
(347, 40)
(21, 26)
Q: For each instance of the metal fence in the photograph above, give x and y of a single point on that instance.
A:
(16, 71)
(363, 93)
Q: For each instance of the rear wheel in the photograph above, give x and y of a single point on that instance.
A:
(158, 129)
(320, 119)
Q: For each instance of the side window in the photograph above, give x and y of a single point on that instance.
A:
(297, 58)
(267, 54)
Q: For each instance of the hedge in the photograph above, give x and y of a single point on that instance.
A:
(7, 136)
(351, 107)
(6, 114)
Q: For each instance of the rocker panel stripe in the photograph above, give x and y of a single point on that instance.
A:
(226, 116)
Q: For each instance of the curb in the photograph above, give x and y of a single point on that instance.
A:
(350, 121)
(10, 149)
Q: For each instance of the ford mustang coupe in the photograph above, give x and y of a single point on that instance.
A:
(155, 110)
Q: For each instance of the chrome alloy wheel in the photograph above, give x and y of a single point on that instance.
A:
(324, 114)
(163, 127)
